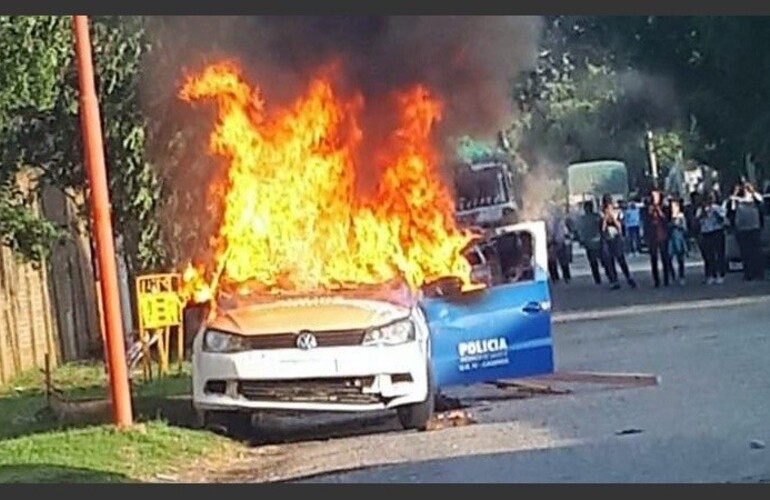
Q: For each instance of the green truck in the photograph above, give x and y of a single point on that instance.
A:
(592, 179)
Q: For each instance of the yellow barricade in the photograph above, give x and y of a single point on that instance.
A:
(160, 313)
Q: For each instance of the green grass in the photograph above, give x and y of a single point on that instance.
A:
(105, 454)
(36, 447)
(23, 403)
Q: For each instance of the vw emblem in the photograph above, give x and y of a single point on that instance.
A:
(306, 340)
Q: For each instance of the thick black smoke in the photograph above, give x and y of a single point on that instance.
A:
(468, 61)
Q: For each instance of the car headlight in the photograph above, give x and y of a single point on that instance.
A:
(218, 341)
(394, 333)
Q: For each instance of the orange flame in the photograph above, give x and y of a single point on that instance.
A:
(292, 220)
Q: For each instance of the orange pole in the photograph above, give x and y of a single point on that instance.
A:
(100, 208)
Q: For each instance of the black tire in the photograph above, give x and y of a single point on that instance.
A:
(234, 424)
(416, 416)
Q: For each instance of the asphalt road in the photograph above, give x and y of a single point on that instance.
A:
(707, 420)
(582, 294)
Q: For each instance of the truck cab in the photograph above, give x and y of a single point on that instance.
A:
(484, 193)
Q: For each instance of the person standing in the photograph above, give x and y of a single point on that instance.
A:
(693, 232)
(558, 253)
(632, 222)
(509, 216)
(589, 234)
(712, 227)
(677, 239)
(657, 238)
(612, 244)
(696, 201)
(745, 210)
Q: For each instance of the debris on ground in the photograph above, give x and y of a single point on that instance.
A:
(269, 450)
(757, 444)
(626, 432)
(603, 378)
(454, 418)
(529, 388)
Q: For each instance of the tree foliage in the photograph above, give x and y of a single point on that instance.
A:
(41, 128)
(32, 55)
(584, 102)
(718, 70)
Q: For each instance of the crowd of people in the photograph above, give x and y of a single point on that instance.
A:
(670, 230)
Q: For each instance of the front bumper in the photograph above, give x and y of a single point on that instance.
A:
(354, 378)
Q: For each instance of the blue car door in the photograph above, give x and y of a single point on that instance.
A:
(500, 332)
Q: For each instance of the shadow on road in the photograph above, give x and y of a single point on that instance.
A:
(47, 473)
(282, 429)
(627, 458)
(276, 428)
(582, 294)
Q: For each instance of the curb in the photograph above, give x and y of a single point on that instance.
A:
(616, 312)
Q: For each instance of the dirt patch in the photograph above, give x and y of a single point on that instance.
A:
(291, 462)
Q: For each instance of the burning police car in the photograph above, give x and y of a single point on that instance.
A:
(370, 348)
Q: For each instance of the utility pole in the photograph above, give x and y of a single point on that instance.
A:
(102, 226)
(652, 158)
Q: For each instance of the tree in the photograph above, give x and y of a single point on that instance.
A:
(589, 97)
(41, 128)
(571, 106)
(721, 79)
(31, 54)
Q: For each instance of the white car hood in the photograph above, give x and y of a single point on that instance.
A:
(311, 314)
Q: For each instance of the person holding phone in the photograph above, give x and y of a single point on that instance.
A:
(745, 213)
(612, 243)
(712, 217)
(677, 239)
(657, 238)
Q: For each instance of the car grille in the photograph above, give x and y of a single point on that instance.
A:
(326, 390)
(289, 340)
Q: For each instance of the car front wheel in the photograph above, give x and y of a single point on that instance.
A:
(416, 416)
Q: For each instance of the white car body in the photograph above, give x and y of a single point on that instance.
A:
(281, 372)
